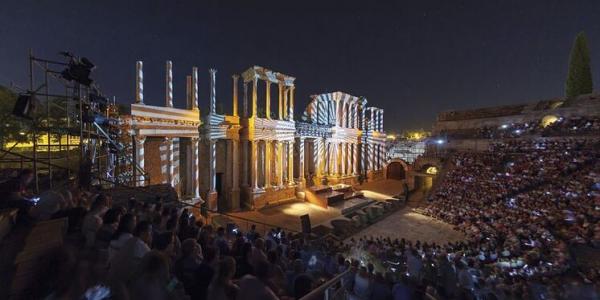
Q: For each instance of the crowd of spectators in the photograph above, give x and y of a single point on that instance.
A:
(560, 127)
(157, 250)
(523, 205)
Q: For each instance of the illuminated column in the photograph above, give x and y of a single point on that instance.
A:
(355, 159)
(165, 158)
(245, 162)
(139, 82)
(291, 105)
(279, 146)
(371, 156)
(268, 99)
(212, 162)
(318, 154)
(254, 163)
(326, 158)
(236, 177)
(351, 115)
(245, 104)
(381, 120)
(139, 159)
(195, 88)
(290, 163)
(213, 91)
(372, 121)
(356, 124)
(280, 99)
(254, 96)
(301, 179)
(169, 83)
(343, 158)
(345, 114)
(235, 78)
(195, 168)
(228, 183)
(268, 162)
(335, 161)
(285, 103)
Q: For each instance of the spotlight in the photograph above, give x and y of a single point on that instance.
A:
(25, 106)
(79, 70)
(440, 141)
(504, 126)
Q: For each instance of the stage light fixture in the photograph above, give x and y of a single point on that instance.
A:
(25, 106)
(79, 70)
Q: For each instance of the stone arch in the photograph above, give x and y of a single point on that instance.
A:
(396, 169)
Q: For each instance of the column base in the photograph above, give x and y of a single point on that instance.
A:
(212, 200)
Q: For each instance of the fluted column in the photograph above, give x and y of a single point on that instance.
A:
(318, 154)
(285, 103)
(291, 105)
(301, 178)
(235, 179)
(343, 158)
(195, 168)
(195, 88)
(268, 162)
(290, 163)
(372, 121)
(326, 157)
(355, 159)
(169, 84)
(165, 160)
(280, 99)
(245, 171)
(245, 103)
(254, 163)
(212, 163)
(279, 146)
(235, 78)
(268, 99)
(139, 159)
(356, 123)
(213, 91)
(381, 121)
(254, 97)
(139, 82)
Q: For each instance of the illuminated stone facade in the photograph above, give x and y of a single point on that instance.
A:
(256, 157)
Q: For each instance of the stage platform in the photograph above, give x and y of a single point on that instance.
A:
(288, 215)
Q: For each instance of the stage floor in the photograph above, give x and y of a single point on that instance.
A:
(404, 223)
(288, 215)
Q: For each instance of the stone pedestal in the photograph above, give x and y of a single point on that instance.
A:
(212, 200)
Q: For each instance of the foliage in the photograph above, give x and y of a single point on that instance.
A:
(579, 78)
(12, 128)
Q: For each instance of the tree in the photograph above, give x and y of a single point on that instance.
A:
(12, 128)
(579, 78)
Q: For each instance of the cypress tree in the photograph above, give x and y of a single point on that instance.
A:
(579, 78)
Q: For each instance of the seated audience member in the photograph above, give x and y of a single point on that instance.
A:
(123, 233)
(126, 260)
(205, 273)
(93, 219)
(256, 286)
(152, 280)
(222, 286)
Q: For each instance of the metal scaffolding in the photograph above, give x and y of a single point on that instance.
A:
(80, 113)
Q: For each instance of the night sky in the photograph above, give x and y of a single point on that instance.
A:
(414, 59)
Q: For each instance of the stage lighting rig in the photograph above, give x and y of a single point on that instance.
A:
(78, 69)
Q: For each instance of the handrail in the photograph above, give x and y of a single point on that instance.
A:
(319, 292)
(253, 221)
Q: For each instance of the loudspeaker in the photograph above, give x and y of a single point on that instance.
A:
(25, 106)
(305, 219)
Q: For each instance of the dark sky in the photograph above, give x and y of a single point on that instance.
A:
(412, 58)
